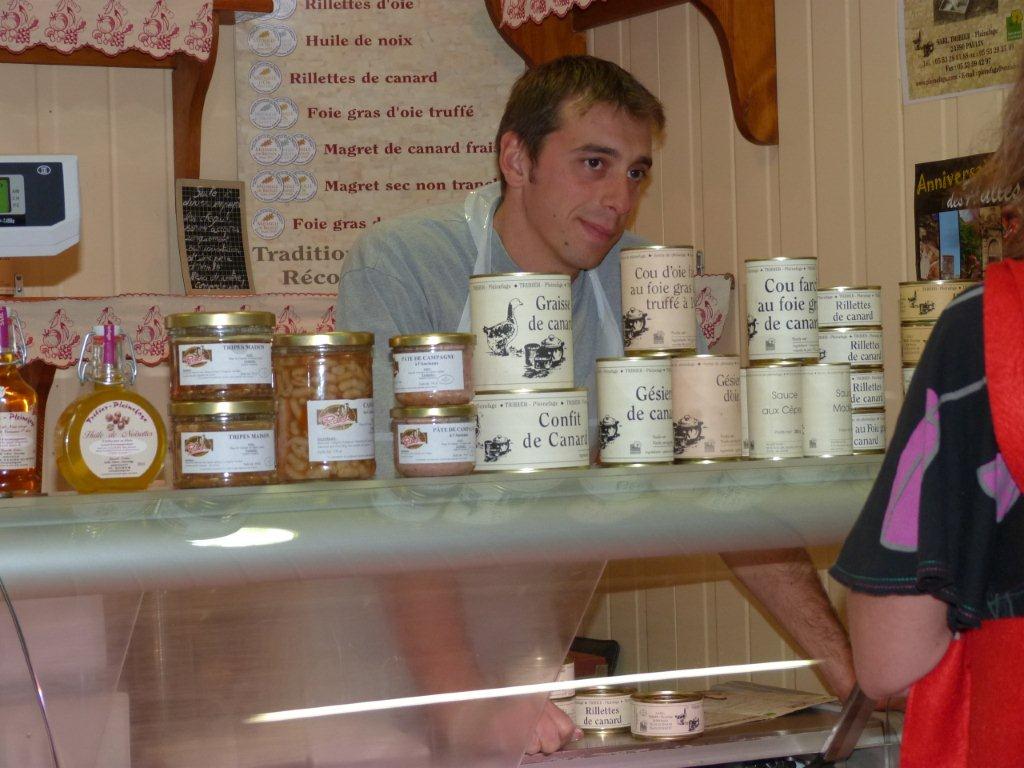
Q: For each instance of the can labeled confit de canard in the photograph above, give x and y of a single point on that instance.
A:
(523, 327)
(828, 427)
(667, 715)
(775, 411)
(706, 409)
(634, 409)
(657, 298)
(524, 431)
(851, 306)
(782, 310)
(925, 299)
(860, 347)
(604, 708)
(869, 431)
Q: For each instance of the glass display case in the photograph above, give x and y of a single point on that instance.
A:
(232, 627)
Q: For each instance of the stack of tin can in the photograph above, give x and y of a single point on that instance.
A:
(850, 331)
(529, 415)
(921, 303)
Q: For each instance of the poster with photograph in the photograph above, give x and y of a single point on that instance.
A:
(958, 235)
(953, 46)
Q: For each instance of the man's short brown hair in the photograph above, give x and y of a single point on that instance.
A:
(534, 106)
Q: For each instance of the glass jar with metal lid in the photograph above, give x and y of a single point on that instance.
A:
(221, 355)
(323, 390)
(434, 442)
(433, 369)
(223, 443)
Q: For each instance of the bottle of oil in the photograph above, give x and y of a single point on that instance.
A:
(19, 469)
(111, 438)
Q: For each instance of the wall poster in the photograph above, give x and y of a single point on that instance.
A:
(353, 111)
(953, 46)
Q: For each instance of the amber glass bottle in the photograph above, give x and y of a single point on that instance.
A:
(19, 470)
(111, 438)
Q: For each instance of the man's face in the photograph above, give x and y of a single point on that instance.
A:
(584, 184)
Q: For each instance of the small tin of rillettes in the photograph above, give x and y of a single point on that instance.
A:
(526, 431)
(707, 414)
(849, 306)
(860, 347)
(867, 388)
(775, 411)
(743, 414)
(828, 427)
(523, 327)
(634, 409)
(667, 715)
(604, 709)
(782, 310)
(913, 338)
(925, 299)
(869, 431)
(657, 298)
(908, 375)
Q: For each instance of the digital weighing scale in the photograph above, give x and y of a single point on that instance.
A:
(39, 206)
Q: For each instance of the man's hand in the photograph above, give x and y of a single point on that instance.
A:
(554, 730)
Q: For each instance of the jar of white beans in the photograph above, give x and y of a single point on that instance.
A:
(323, 394)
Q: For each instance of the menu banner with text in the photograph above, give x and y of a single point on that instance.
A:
(354, 111)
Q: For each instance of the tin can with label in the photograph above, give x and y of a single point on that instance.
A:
(867, 388)
(782, 310)
(869, 431)
(775, 411)
(846, 306)
(565, 672)
(706, 410)
(924, 300)
(743, 414)
(667, 715)
(908, 375)
(604, 709)
(526, 431)
(523, 327)
(860, 347)
(657, 298)
(828, 428)
(634, 410)
(913, 338)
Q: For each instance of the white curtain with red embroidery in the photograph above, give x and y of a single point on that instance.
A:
(157, 27)
(515, 13)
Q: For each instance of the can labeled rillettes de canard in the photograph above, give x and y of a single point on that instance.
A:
(657, 298)
(869, 431)
(867, 388)
(925, 299)
(860, 347)
(634, 409)
(775, 411)
(523, 327)
(667, 715)
(850, 306)
(524, 431)
(604, 708)
(828, 427)
(782, 310)
(744, 419)
(913, 338)
(707, 415)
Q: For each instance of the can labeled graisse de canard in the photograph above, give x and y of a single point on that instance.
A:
(775, 411)
(913, 338)
(782, 310)
(657, 298)
(869, 431)
(743, 414)
(604, 708)
(908, 375)
(860, 347)
(524, 431)
(634, 409)
(523, 327)
(706, 409)
(925, 299)
(849, 306)
(828, 428)
(667, 715)
(867, 388)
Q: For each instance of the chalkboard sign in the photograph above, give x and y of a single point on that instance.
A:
(212, 236)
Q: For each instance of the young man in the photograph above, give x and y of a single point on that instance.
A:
(574, 149)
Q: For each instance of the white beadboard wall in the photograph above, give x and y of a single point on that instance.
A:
(838, 186)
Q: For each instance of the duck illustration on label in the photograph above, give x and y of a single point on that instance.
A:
(751, 327)
(496, 447)
(500, 335)
(543, 357)
(687, 431)
(634, 325)
(609, 430)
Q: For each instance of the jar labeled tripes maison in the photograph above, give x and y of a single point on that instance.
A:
(324, 396)
(223, 443)
(221, 355)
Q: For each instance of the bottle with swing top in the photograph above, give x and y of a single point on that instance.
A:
(19, 466)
